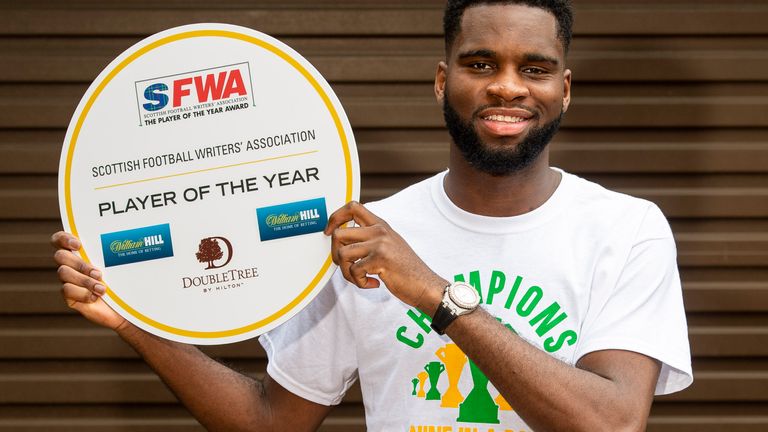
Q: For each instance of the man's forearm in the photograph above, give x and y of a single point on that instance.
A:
(547, 393)
(219, 398)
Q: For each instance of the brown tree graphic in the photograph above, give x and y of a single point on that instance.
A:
(209, 251)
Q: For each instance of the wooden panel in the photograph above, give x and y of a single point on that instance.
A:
(670, 104)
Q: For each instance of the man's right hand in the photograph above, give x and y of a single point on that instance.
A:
(82, 287)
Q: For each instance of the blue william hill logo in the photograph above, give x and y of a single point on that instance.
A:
(292, 219)
(136, 245)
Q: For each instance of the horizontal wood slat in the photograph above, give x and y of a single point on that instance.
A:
(32, 250)
(277, 22)
(723, 296)
(53, 388)
(347, 424)
(726, 296)
(81, 343)
(414, 59)
(41, 203)
(423, 112)
(137, 417)
(95, 418)
(593, 19)
(426, 151)
(181, 424)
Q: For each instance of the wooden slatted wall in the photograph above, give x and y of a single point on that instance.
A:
(670, 103)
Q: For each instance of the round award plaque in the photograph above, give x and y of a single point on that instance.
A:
(199, 171)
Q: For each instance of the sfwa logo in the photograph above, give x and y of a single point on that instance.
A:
(206, 91)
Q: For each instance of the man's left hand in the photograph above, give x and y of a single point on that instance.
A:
(374, 248)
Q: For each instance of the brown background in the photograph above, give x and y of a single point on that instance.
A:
(670, 104)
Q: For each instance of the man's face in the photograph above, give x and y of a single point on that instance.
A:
(504, 87)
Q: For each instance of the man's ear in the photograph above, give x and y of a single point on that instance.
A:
(566, 89)
(440, 77)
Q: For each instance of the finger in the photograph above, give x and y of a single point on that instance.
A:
(73, 293)
(348, 236)
(351, 252)
(67, 258)
(359, 273)
(346, 256)
(69, 275)
(65, 240)
(345, 236)
(352, 211)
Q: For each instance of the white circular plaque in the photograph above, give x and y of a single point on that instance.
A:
(199, 171)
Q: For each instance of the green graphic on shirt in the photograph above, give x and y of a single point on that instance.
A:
(434, 369)
(478, 407)
(526, 304)
(544, 317)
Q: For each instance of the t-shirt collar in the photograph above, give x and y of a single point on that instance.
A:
(498, 225)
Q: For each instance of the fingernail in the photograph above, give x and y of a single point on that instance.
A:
(95, 274)
(74, 244)
(94, 297)
(100, 289)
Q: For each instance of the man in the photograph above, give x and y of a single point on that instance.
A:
(576, 283)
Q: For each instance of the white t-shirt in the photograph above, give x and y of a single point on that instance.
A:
(589, 270)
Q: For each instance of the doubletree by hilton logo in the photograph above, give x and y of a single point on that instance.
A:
(215, 253)
(210, 252)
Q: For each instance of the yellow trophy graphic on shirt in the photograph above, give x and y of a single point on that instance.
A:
(454, 360)
(422, 376)
(502, 403)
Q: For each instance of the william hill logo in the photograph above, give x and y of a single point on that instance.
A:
(292, 219)
(286, 219)
(210, 252)
(136, 245)
(194, 94)
(130, 245)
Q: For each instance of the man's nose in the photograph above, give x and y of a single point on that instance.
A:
(508, 86)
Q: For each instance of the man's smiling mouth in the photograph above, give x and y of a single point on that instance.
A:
(505, 119)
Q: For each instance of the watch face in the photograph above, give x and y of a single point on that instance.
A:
(464, 295)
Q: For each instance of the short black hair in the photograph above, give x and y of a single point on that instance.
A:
(561, 9)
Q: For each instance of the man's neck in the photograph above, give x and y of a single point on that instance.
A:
(512, 195)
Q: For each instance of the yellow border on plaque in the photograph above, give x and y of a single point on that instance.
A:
(81, 119)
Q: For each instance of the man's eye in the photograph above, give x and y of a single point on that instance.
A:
(480, 66)
(533, 71)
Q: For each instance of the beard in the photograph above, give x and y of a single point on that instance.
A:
(497, 161)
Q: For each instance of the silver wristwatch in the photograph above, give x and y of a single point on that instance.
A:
(459, 298)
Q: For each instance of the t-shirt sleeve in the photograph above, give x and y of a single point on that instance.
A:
(313, 354)
(644, 311)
